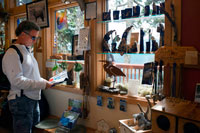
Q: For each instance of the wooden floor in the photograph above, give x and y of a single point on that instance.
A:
(36, 130)
(5, 130)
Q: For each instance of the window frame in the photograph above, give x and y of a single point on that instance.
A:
(101, 28)
(50, 33)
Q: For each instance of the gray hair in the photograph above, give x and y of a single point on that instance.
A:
(26, 26)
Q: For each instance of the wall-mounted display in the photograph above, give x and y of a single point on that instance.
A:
(90, 10)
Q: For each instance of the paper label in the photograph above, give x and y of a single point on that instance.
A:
(191, 57)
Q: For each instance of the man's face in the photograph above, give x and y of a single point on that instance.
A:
(31, 37)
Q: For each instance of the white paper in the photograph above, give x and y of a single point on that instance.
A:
(191, 57)
(84, 39)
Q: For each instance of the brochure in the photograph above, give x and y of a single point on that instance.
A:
(59, 78)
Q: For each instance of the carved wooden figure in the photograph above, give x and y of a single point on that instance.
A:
(141, 40)
(112, 70)
(105, 45)
(122, 46)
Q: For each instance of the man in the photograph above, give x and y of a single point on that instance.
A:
(25, 80)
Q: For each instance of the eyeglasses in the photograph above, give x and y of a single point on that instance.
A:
(32, 37)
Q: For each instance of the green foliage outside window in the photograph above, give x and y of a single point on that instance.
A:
(68, 23)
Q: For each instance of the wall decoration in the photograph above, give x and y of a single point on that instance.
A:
(99, 101)
(84, 39)
(90, 10)
(110, 103)
(37, 11)
(122, 106)
(61, 20)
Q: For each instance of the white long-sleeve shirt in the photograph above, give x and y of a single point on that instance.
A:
(22, 76)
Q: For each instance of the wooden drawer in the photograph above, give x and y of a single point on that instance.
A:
(188, 125)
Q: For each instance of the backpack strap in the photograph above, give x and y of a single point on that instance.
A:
(21, 59)
(18, 52)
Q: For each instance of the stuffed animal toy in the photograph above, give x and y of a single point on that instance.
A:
(141, 122)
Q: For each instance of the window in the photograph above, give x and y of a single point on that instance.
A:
(22, 2)
(68, 22)
(19, 20)
(132, 63)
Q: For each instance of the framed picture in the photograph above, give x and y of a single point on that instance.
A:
(37, 11)
(90, 10)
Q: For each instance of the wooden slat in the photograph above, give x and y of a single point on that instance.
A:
(135, 74)
(139, 74)
(127, 74)
(131, 73)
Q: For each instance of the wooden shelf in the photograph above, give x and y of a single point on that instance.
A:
(68, 88)
(129, 99)
(134, 19)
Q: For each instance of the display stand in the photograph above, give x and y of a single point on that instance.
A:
(177, 115)
(176, 57)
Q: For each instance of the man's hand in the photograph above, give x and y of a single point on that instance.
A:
(48, 85)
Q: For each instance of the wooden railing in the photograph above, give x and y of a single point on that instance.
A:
(132, 71)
